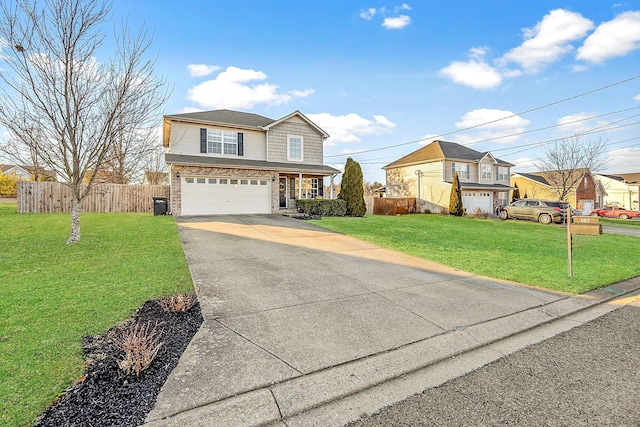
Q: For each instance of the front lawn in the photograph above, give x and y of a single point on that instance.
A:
(520, 251)
(54, 294)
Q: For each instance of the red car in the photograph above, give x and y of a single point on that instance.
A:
(615, 212)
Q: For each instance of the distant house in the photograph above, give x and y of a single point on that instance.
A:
(20, 171)
(427, 174)
(28, 172)
(622, 189)
(585, 193)
(156, 178)
(232, 162)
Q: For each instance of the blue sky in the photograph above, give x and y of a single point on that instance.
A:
(376, 74)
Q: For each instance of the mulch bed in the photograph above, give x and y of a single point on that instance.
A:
(106, 396)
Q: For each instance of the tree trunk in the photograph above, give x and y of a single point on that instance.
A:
(75, 222)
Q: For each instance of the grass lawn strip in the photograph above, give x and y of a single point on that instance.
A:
(520, 251)
(55, 294)
(624, 223)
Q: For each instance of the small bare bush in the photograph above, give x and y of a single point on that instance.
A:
(178, 303)
(479, 213)
(140, 344)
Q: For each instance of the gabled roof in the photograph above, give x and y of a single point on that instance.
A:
(303, 117)
(225, 117)
(543, 177)
(4, 168)
(631, 178)
(534, 176)
(236, 119)
(627, 178)
(441, 150)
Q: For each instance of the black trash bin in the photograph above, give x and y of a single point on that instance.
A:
(159, 206)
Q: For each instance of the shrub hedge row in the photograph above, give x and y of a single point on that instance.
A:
(323, 207)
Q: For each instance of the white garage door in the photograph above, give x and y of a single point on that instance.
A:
(474, 200)
(215, 195)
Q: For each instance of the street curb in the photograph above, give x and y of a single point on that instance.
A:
(337, 395)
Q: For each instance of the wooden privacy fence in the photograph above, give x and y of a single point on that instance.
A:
(390, 206)
(49, 197)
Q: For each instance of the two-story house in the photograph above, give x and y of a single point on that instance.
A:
(583, 192)
(427, 174)
(231, 162)
(621, 189)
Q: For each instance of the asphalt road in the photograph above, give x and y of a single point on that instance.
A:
(588, 376)
(621, 230)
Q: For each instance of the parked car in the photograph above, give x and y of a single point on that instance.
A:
(543, 211)
(615, 212)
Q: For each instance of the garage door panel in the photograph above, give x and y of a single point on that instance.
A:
(474, 200)
(214, 195)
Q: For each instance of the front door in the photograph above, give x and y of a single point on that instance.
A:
(283, 192)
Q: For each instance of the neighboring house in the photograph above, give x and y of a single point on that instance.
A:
(622, 189)
(427, 174)
(156, 178)
(20, 171)
(28, 172)
(585, 195)
(231, 162)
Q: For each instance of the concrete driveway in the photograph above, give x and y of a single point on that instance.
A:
(296, 317)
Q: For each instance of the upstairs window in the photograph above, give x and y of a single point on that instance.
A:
(502, 173)
(486, 172)
(461, 168)
(294, 147)
(222, 142)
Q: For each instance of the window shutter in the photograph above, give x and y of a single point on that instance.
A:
(203, 140)
(321, 187)
(240, 144)
(292, 187)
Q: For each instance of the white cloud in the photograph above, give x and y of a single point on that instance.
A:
(368, 13)
(637, 97)
(237, 88)
(623, 160)
(397, 22)
(350, 127)
(497, 125)
(524, 164)
(611, 39)
(475, 73)
(200, 70)
(578, 123)
(549, 40)
(402, 7)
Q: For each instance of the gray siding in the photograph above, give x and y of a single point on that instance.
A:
(277, 144)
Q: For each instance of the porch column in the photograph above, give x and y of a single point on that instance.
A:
(331, 186)
(300, 186)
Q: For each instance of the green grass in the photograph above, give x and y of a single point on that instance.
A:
(520, 251)
(54, 294)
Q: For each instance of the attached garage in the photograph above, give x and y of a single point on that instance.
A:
(225, 195)
(474, 200)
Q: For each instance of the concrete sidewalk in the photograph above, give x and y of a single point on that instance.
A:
(303, 326)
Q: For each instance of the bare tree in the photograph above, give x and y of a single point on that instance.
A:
(155, 168)
(60, 101)
(566, 161)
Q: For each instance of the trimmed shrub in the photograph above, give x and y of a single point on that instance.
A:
(455, 202)
(323, 207)
(352, 189)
